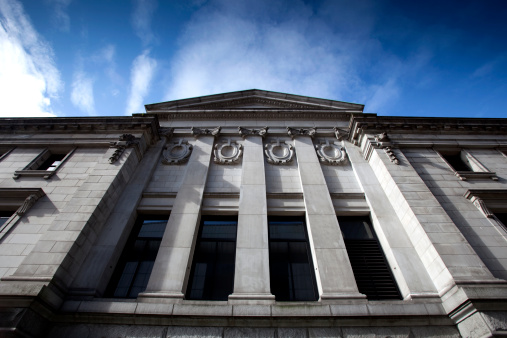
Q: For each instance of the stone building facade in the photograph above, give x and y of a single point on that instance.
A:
(253, 214)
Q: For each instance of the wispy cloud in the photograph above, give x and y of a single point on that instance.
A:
(141, 19)
(29, 78)
(61, 17)
(142, 72)
(287, 46)
(82, 92)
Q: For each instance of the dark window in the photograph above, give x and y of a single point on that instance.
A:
(456, 162)
(4, 216)
(372, 273)
(212, 273)
(502, 217)
(52, 162)
(136, 262)
(290, 263)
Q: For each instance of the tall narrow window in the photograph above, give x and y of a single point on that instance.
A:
(212, 273)
(372, 273)
(290, 263)
(456, 161)
(136, 262)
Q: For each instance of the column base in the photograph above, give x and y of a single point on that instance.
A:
(251, 298)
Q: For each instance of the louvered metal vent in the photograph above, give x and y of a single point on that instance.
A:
(373, 276)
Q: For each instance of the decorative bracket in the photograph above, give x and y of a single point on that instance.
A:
(340, 134)
(177, 152)
(200, 131)
(228, 152)
(279, 152)
(384, 142)
(331, 153)
(301, 132)
(244, 132)
(125, 141)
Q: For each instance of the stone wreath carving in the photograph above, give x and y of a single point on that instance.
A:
(330, 153)
(228, 152)
(177, 152)
(258, 132)
(384, 142)
(125, 141)
(200, 131)
(301, 132)
(279, 152)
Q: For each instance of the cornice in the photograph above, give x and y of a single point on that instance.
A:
(82, 125)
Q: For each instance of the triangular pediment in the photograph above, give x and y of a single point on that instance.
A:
(251, 100)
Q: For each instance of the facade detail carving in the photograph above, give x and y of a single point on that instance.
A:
(228, 152)
(244, 132)
(301, 132)
(279, 152)
(177, 152)
(125, 141)
(340, 134)
(203, 131)
(384, 142)
(27, 204)
(331, 153)
(167, 132)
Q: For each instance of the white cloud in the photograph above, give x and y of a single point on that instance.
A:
(82, 92)
(141, 75)
(141, 19)
(61, 17)
(324, 50)
(29, 78)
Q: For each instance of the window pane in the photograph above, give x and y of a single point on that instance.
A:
(138, 257)
(212, 274)
(291, 269)
(355, 227)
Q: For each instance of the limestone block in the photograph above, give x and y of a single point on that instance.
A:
(243, 332)
(194, 332)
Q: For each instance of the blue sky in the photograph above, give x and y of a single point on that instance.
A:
(110, 57)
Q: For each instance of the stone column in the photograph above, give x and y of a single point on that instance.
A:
(411, 275)
(331, 261)
(251, 278)
(174, 260)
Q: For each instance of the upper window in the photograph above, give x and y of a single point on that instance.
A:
(371, 271)
(465, 165)
(212, 273)
(138, 257)
(290, 263)
(45, 164)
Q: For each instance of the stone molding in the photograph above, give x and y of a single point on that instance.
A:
(331, 153)
(293, 132)
(204, 131)
(384, 142)
(244, 132)
(125, 141)
(481, 198)
(177, 153)
(227, 152)
(279, 153)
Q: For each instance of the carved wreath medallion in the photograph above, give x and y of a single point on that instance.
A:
(228, 152)
(177, 152)
(330, 153)
(279, 152)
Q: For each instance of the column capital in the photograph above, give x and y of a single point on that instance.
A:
(293, 132)
(206, 132)
(244, 132)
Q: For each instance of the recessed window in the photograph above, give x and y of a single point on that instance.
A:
(5, 215)
(138, 257)
(465, 165)
(212, 273)
(290, 263)
(45, 164)
(371, 271)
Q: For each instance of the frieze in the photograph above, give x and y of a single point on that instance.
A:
(244, 132)
(279, 152)
(249, 114)
(203, 131)
(228, 152)
(301, 132)
(254, 100)
(177, 152)
(331, 153)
